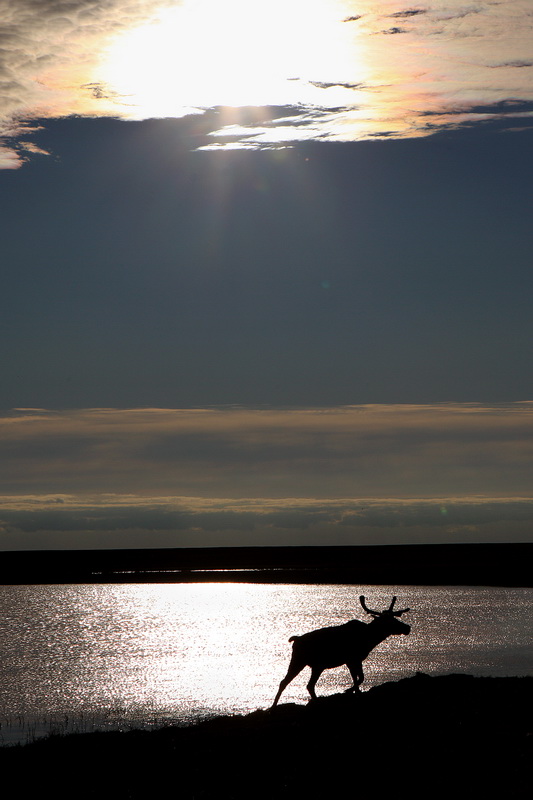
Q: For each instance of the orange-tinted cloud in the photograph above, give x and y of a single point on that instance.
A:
(360, 473)
(372, 69)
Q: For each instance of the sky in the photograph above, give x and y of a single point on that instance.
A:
(266, 272)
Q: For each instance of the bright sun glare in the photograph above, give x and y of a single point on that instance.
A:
(206, 53)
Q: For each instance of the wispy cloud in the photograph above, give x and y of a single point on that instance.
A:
(47, 46)
(369, 78)
(362, 473)
(410, 12)
(392, 31)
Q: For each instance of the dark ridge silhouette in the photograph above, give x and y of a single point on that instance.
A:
(423, 738)
(436, 564)
(346, 644)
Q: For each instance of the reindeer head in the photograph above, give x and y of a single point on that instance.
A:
(388, 618)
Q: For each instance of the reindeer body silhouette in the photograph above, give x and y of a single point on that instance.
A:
(346, 644)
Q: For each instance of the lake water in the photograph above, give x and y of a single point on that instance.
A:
(77, 657)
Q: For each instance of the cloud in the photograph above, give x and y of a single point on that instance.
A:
(410, 12)
(500, 109)
(45, 46)
(51, 49)
(460, 13)
(392, 31)
(109, 521)
(234, 475)
(143, 448)
(504, 115)
(332, 85)
(512, 64)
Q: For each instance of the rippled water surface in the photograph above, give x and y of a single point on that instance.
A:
(75, 657)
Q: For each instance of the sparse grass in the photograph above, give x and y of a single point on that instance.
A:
(21, 729)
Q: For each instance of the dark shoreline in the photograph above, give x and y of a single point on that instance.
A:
(422, 737)
(437, 564)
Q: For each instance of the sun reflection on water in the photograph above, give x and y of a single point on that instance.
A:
(153, 653)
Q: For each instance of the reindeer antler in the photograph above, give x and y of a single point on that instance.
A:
(368, 610)
(389, 610)
(399, 613)
(395, 613)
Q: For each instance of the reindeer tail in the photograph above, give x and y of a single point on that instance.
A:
(293, 638)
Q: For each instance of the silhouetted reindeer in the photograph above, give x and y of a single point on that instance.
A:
(346, 644)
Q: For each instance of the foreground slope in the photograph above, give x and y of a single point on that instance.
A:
(422, 737)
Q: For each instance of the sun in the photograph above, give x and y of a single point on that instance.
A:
(206, 53)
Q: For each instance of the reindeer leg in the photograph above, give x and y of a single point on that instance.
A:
(316, 672)
(356, 671)
(294, 669)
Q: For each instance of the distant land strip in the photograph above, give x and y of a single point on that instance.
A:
(439, 564)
